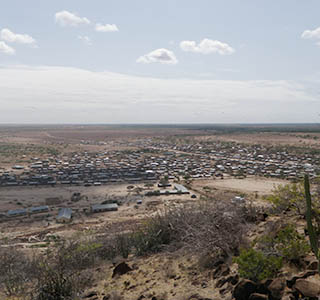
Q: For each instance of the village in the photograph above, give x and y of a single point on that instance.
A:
(151, 160)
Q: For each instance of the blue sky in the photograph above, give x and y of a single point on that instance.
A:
(207, 61)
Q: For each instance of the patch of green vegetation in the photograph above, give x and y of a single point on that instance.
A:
(256, 266)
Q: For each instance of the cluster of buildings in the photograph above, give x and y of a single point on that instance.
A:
(155, 159)
(64, 214)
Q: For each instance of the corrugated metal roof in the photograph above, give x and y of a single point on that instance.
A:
(104, 207)
(17, 212)
(65, 213)
(39, 209)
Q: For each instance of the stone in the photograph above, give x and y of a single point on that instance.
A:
(291, 281)
(307, 288)
(197, 297)
(244, 289)
(256, 296)
(90, 294)
(221, 282)
(277, 287)
(288, 297)
(221, 270)
(313, 265)
(121, 269)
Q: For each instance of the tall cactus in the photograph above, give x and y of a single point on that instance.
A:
(312, 234)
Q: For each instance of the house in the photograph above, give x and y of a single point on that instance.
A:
(181, 189)
(39, 209)
(64, 215)
(17, 212)
(104, 207)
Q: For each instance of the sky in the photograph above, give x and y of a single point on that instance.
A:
(169, 61)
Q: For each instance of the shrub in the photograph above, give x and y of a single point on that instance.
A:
(286, 242)
(290, 244)
(152, 236)
(14, 274)
(123, 244)
(256, 266)
(288, 197)
(54, 285)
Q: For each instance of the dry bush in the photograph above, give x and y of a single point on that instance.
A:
(15, 271)
(206, 228)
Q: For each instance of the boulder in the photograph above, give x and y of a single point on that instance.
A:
(313, 265)
(221, 270)
(291, 281)
(277, 287)
(256, 296)
(307, 288)
(90, 294)
(121, 269)
(244, 289)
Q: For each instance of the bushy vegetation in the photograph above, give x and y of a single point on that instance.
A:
(290, 244)
(14, 270)
(288, 197)
(63, 270)
(286, 243)
(256, 266)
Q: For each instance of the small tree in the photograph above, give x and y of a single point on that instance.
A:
(288, 197)
(256, 266)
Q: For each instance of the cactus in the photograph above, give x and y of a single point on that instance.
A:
(313, 238)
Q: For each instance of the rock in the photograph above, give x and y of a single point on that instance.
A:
(121, 269)
(221, 270)
(288, 297)
(291, 281)
(256, 296)
(313, 265)
(263, 287)
(197, 297)
(307, 288)
(90, 294)
(221, 282)
(277, 287)
(244, 289)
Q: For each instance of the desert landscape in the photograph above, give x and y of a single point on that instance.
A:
(114, 180)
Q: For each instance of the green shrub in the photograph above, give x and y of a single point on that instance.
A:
(288, 197)
(123, 245)
(290, 244)
(256, 266)
(54, 285)
(287, 243)
(152, 237)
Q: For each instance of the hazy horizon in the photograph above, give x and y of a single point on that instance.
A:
(152, 63)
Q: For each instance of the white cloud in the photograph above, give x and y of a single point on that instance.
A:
(311, 34)
(70, 95)
(4, 48)
(106, 28)
(66, 18)
(207, 46)
(12, 37)
(85, 39)
(162, 56)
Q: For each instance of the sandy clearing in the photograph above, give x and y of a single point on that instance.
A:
(248, 185)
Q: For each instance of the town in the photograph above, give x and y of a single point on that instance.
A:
(153, 160)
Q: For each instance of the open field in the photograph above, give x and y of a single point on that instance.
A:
(261, 186)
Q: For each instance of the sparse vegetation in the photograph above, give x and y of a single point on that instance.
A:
(288, 197)
(286, 243)
(256, 266)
